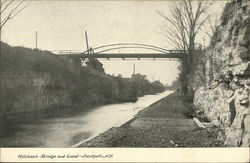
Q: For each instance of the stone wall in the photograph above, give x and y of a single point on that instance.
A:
(31, 90)
(35, 84)
(224, 98)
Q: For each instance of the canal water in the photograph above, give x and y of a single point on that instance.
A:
(68, 130)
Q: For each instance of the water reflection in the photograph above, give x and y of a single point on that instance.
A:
(68, 130)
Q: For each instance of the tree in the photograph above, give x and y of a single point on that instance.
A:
(186, 20)
(10, 9)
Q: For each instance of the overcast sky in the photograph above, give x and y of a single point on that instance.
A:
(61, 25)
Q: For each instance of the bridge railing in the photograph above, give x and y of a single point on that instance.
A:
(67, 52)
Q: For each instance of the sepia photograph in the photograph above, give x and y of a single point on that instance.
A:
(126, 74)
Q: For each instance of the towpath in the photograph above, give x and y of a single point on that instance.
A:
(163, 124)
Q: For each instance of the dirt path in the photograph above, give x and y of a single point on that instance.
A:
(163, 124)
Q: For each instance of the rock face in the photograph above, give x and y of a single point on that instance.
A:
(224, 98)
(33, 91)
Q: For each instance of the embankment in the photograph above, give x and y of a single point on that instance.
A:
(221, 79)
(36, 84)
(162, 124)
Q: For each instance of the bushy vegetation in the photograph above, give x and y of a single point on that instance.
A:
(186, 81)
(174, 86)
(95, 88)
(23, 59)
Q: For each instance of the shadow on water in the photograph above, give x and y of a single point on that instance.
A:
(68, 128)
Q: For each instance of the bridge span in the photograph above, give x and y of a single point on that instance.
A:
(102, 52)
(128, 55)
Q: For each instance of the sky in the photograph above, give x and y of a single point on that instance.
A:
(61, 25)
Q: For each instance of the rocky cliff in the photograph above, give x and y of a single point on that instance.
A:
(223, 98)
(32, 80)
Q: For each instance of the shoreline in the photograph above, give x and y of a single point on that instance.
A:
(128, 121)
(162, 124)
(23, 117)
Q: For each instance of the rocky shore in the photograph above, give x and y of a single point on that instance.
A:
(163, 124)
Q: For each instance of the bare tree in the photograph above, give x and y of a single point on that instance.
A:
(184, 22)
(212, 25)
(186, 19)
(10, 9)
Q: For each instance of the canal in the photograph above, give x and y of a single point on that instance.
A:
(69, 130)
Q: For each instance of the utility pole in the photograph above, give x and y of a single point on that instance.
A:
(36, 35)
(87, 43)
(134, 69)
